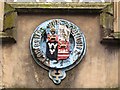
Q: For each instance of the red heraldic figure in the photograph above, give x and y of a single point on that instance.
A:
(58, 46)
(63, 43)
(63, 50)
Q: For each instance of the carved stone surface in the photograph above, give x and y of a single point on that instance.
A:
(1, 15)
(107, 24)
(58, 0)
(8, 33)
(98, 69)
(9, 30)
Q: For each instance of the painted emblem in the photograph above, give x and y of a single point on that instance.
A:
(57, 45)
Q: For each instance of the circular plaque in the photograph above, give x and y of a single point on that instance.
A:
(57, 45)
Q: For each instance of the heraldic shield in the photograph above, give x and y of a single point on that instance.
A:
(57, 45)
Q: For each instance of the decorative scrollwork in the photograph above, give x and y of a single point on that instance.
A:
(57, 75)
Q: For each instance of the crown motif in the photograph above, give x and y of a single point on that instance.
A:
(52, 29)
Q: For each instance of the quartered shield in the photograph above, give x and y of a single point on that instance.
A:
(57, 45)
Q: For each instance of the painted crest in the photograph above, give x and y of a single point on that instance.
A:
(57, 45)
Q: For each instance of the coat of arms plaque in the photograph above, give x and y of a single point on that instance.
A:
(57, 45)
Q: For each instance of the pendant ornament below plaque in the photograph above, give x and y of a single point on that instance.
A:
(57, 45)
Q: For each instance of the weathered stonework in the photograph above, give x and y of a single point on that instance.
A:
(8, 33)
(57, 0)
(98, 69)
(12, 9)
(107, 19)
(1, 29)
(1, 15)
(59, 5)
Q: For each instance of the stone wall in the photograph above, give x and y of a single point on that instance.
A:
(57, 0)
(1, 29)
(1, 15)
(98, 69)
